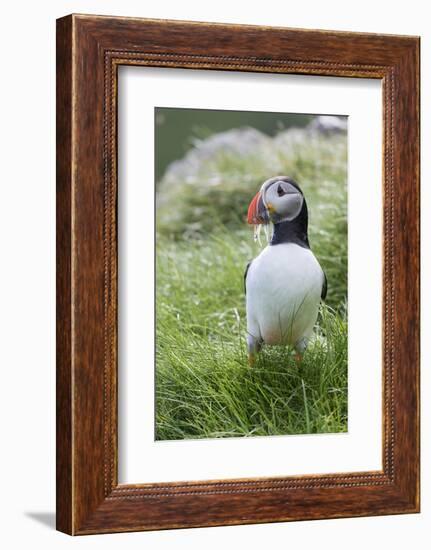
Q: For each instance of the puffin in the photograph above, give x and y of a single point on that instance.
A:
(285, 283)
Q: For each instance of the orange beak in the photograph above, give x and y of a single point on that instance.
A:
(256, 211)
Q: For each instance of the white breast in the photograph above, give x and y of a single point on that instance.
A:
(284, 285)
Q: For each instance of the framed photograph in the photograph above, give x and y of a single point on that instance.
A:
(237, 274)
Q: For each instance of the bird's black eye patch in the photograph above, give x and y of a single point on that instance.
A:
(280, 190)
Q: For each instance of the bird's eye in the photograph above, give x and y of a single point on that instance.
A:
(280, 190)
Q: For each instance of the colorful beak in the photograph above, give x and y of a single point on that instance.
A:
(256, 211)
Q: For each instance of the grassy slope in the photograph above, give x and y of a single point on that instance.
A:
(204, 387)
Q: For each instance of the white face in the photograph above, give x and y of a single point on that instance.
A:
(282, 200)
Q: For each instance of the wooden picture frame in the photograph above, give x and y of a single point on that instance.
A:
(89, 52)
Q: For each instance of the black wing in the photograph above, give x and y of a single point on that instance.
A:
(324, 287)
(245, 275)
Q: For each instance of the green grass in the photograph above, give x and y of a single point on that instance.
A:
(222, 190)
(204, 386)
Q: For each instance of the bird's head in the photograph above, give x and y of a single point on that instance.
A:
(279, 199)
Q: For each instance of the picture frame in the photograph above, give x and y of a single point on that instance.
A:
(89, 51)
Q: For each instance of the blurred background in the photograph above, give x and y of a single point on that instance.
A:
(209, 165)
(178, 130)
